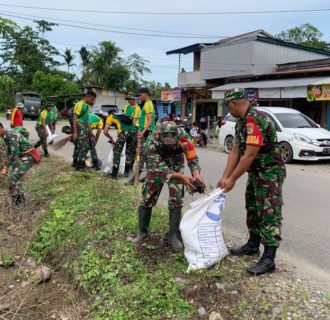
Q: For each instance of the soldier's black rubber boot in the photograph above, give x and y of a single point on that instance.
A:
(266, 263)
(46, 154)
(144, 221)
(114, 173)
(96, 165)
(80, 165)
(74, 163)
(174, 219)
(36, 146)
(127, 170)
(251, 248)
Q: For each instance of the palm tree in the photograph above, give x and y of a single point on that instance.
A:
(85, 57)
(68, 57)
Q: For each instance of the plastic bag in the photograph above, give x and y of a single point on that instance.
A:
(201, 231)
(122, 161)
(109, 162)
(51, 136)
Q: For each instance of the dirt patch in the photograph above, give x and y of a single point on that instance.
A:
(22, 297)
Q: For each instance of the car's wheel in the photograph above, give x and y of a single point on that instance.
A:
(286, 152)
(228, 143)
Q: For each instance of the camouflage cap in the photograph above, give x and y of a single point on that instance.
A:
(168, 126)
(234, 94)
(25, 132)
(169, 132)
(130, 96)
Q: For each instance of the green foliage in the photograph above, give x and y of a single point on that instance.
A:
(306, 34)
(49, 84)
(6, 92)
(7, 260)
(7, 27)
(68, 58)
(87, 234)
(155, 88)
(24, 53)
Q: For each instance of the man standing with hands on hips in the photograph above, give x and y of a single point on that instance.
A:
(256, 151)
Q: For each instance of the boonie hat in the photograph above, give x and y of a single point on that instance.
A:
(20, 105)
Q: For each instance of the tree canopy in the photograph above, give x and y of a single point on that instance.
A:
(28, 61)
(305, 34)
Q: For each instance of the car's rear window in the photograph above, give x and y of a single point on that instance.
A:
(107, 108)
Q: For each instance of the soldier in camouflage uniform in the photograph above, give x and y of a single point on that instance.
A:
(82, 129)
(3, 169)
(44, 120)
(166, 151)
(256, 151)
(126, 133)
(20, 160)
(96, 123)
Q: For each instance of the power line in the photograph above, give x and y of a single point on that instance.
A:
(105, 30)
(170, 13)
(117, 27)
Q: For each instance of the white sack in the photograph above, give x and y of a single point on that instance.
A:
(201, 231)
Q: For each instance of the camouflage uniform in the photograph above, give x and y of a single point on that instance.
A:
(126, 134)
(265, 177)
(148, 108)
(3, 163)
(19, 161)
(47, 116)
(165, 153)
(161, 164)
(82, 111)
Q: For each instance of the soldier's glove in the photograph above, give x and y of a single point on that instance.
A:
(198, 188)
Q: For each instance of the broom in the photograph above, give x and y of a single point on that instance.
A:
(61, 143)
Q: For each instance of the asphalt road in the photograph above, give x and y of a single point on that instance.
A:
(306, 224)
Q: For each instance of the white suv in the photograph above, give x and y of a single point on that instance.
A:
(300, 137)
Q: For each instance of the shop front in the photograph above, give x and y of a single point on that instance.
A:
(289, 93)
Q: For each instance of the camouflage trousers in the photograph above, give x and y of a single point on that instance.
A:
(130, 138)
(264, 202)
(82, 144)
(143, 155)
(92, 149)
(17, 170)
(42, 137)
(152, 188)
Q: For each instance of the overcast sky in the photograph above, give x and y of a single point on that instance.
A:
(165, 68)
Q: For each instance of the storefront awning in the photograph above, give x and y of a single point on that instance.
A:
(268, 89)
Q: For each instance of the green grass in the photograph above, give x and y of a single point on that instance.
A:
(86, 230)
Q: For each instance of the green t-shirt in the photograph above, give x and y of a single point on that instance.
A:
(54, 113)
(148, 108)
(82, 111)
(46, 115)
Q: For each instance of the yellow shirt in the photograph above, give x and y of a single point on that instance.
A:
(111, 120)
(148, 108)
(44, 115)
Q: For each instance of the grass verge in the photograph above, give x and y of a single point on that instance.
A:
(87, 232)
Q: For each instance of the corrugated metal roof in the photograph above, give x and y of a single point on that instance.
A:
(189, 49)
(281, 83)
(248, 35)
